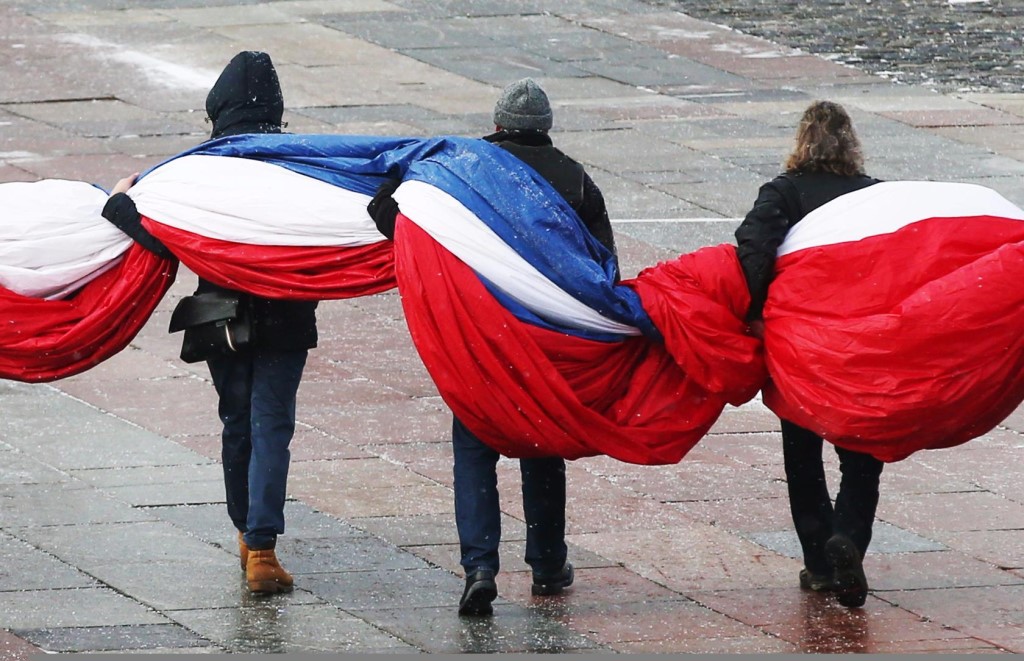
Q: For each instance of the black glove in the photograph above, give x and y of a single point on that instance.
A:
(121, 212)
(383, 208)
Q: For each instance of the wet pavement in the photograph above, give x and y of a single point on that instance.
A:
(112, 525)
(948, 45)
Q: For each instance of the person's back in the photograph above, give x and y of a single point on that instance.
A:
(522, 118)
(826, 163)
(256, 385)
(809, 182)
(247, 98)
(257, 388)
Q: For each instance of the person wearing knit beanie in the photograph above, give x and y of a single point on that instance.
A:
(522, 121)
(523, 106)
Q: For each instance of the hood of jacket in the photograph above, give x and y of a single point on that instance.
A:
(247, 97)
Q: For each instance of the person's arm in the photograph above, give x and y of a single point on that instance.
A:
(384, 209)
(121, 212)
(594, 215)
(757, 239)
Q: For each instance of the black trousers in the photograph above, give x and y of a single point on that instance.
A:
(814, 516)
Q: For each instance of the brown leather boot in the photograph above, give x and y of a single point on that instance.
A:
(265, 574)
(243, 551)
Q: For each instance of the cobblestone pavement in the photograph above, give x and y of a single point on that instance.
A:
(943, 44)
(113, 534)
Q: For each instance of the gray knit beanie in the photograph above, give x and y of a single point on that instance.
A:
(523, 106)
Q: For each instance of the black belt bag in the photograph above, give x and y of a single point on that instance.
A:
(215, 324)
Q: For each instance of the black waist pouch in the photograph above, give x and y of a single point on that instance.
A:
(215, 324)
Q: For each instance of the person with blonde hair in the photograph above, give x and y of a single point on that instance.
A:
(826, 162)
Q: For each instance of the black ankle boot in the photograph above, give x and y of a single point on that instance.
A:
(480, 591)
(548, 585)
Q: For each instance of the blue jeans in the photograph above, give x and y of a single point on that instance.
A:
(814, 516)
(257, 406)
(478, 511)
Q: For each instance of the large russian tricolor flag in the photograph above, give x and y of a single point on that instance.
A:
(892, 326)
(895, 321)
(74, 290)
(518, 316)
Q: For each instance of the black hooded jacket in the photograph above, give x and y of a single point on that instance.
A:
(782, 203)
(246, 98)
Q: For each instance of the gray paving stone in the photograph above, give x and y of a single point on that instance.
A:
(210, 523)
(457, 8)
(106, 5)
(494, 65)
(1008, 186)
(755, 95)
(379, 120)
(380, 589)
(730, 194)
(681, 237)
(699, 134)
(405, 35)
(404, 113)
(99, 118)
(752, 417)
(93, 546)
(27, 568)
(209, 649)
(204, 470)
(19, 468)
(422, 529)
(331, 555)
(207, 522)
(210, 490)
(273, 626)
(78, 435)
(80, 607)
(626, 150)
(183, 584)
(113, 639)
(512, 629)
(25, 506)
(629, 199)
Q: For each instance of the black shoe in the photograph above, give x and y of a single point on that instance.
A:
(851, 585)
(480, 591)
(546, 586)
(816, 582)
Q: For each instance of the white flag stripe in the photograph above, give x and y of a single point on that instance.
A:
(871, 211)
(53, 238)
(248, 201)
(467, 237)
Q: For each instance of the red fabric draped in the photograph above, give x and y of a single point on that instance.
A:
(292, 272)
(528, 392)
(900, 342)
(43, 340)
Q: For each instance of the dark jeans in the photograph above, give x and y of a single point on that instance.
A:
(478, 511)
(814, 516)
(257, 406)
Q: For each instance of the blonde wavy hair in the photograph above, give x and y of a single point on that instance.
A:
(826, 142)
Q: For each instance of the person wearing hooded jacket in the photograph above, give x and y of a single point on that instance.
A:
(257, 386)
(522, 118)
(826, 162)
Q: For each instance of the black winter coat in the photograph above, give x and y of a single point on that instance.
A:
(246, 98)
(782, 203)
(565, 175)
